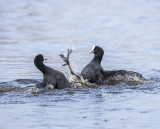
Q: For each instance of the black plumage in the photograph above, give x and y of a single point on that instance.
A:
(50, 75)
(94, 72)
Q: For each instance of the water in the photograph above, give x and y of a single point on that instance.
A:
(128, 31)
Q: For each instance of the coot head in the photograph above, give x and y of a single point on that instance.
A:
(38, 61)
(97, 50)
(39, 58)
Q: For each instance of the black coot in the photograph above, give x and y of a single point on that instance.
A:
(50, 76)
(93, 72)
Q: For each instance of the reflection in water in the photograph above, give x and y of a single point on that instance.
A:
(128, 31)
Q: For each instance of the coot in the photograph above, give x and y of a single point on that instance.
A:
(94, 72)
(50, 75)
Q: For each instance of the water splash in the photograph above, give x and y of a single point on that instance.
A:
(80, 83)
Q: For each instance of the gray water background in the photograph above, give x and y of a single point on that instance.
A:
(129, 33)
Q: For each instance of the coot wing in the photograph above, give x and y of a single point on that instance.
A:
(114, 77)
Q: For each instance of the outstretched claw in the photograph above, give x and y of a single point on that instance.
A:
(66, 60)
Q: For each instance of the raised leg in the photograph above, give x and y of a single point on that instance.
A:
(67, 62)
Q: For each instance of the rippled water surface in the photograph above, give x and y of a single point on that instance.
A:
(129, 33)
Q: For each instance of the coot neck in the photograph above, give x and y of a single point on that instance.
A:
(98, 57)
(41, 66)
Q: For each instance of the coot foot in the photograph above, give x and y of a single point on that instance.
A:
(67, 62)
